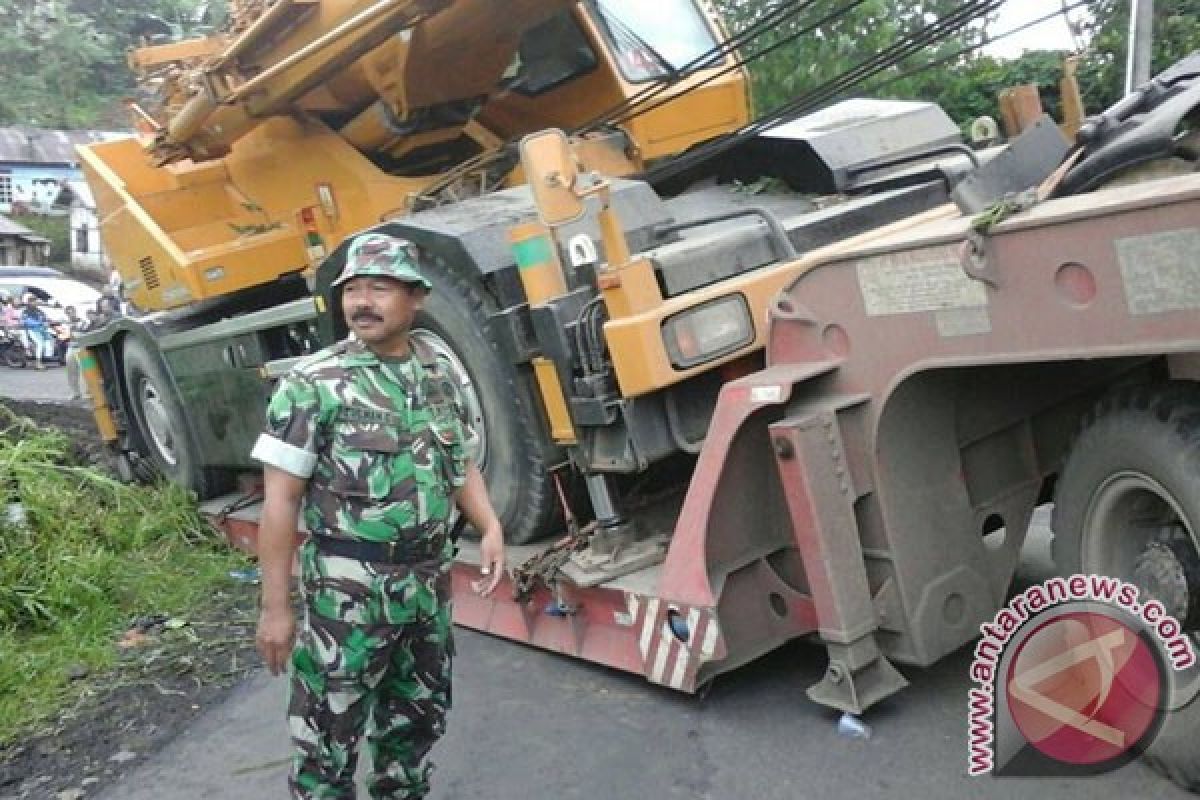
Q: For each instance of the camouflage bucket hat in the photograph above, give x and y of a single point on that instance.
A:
(380, 254)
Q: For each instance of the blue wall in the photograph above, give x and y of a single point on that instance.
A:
(35, 185)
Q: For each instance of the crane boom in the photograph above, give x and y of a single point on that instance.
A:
(296, 47)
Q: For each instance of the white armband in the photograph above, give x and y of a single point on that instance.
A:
(287, 457)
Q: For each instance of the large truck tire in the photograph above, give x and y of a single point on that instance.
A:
(162, 428)
(1127, 504)
(453, 324)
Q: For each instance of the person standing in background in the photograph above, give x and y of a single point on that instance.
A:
(10, 314)
(76, 326)
(37, 329)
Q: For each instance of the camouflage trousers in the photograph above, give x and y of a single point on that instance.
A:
(372, 658)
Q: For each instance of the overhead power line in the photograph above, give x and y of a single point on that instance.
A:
(613, 116)
(762, 53)
(933, 33)
(1066, 9)
(652, 97)
(731, 46)
(637, 106)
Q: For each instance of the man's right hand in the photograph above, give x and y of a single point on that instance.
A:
(276, 634)
(282, 493)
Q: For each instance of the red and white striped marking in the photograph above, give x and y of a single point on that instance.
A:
(667, 660)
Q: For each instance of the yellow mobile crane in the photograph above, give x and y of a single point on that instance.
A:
(789, 421)
(308, 120)
(262, 147)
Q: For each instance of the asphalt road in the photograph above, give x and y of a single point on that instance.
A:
(532, 724)
(48, 385)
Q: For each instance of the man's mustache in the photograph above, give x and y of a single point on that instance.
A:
(363, 314)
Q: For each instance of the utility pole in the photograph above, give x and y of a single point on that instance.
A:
(1141, 44)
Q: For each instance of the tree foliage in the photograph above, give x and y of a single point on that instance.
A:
(823, 41)
(64, 60)
(1176, 34)
(973, 89)
(966, 85)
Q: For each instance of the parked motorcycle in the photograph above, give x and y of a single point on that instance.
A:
(12, 350)
(16, 348)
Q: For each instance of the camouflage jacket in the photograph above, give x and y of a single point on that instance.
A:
(382, 443)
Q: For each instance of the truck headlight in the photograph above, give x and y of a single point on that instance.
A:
(708, 331)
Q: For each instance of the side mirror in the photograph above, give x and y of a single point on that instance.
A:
(551, 171)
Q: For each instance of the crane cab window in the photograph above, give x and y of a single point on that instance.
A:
(549, 55)
(656, 40)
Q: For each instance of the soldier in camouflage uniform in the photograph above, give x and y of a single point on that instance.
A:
(369, 440)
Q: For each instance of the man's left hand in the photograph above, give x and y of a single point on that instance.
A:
(491, 561)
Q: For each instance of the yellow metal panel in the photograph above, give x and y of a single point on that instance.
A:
(639, 356)
(561, 428)
(90, 370)
(600, 154)
(191, 174)
(630, 289)
(184, 234)
(692, 117)
(537, 262)
(146, 57)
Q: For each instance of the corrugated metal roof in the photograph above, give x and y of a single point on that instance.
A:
(10, 228)
(42, 146)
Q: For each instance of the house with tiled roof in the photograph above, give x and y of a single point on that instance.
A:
(20, 246)
(35, 164)
(39, 173)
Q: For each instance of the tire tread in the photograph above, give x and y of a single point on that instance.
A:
(1175, 405)
(538, 499)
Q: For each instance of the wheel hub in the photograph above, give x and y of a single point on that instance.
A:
(1168, 570)
(158, 423)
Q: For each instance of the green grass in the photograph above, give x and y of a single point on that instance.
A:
(91, 556)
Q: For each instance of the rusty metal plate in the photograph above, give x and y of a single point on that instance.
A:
(1158, 271)
(963, 322)
(916, 281)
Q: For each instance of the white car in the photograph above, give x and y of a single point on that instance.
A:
(55, 293)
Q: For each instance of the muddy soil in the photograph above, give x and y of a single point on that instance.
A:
(73, 420)
(180, 669)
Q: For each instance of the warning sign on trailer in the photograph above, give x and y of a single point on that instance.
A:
(929, 279)
(1159, 271)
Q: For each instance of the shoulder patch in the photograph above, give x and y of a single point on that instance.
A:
(315, 362)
